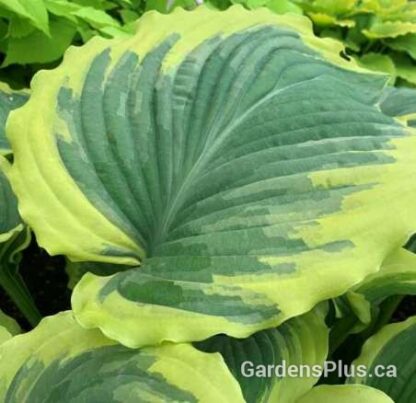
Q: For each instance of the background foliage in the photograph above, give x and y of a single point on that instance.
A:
(379, 34)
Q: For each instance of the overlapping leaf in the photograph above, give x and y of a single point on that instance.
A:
(344, 394)
(360, 308)
(302, 341)
(14, 236)
(400, 103)
(8, 327)
(9, 100)
(60, 361)
(391, 361)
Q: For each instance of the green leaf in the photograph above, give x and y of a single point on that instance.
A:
(218, 4)
(389, 29)
(361, 306)
(392, 349)
(378, 62)
(33, 10)
(96, 18)
(381, 7)
(325, 20)
(10, 221)
(302, 341)
(114, 32)
(8, 327)
(98, 4)
(9, 100)
(40, 48)
(60, 361)
(75, 270)
(334, 7)
(62, 8)
(283, 6)
(166, 6)
(19, 28)
(251, 4)
(14, 238)
(397, 276)
(405, 43)
(229, 196)
(400, 103)
(405, 68)
(354, 308)
(344, 394)
(128, 16)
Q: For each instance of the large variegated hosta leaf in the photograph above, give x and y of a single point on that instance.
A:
(344, 394)
(391, 352)
(301, 341)
(60, 361)
(236, 157)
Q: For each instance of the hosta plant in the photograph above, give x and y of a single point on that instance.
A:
(233, 173)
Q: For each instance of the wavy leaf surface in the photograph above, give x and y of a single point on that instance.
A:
(344, 394)
(237, 158)
(61, 361)
(301, 341)
(392, 351)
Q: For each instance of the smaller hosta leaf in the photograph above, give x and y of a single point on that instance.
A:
(405, 43)
(4, 334)
(8, 327)
(405, 67)
(400, 103)
(397, 276)
(10, 221)
(302, 341)
(59, 361)
(345, 394)
(9, 323)
(353, 306)
(356, 309)
(378, 62)
(390, 359)
(14, 238)
(9, 100)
